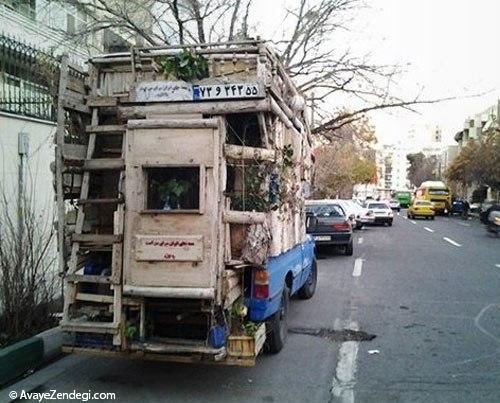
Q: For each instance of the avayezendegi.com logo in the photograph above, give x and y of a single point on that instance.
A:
(55, 395)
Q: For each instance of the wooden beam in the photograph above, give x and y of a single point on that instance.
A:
(244, 217)
(71, 105)
(104, 299)
(105, 129)
(74, 152)
(211, 108)
(172, 123)
(97, 101)
(89, 327)
(249, 153)
(61, 130)
(117, 200)
(101, 239)
(101, 164)
(83, 278)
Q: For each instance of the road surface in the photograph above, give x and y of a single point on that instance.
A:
(428, 290)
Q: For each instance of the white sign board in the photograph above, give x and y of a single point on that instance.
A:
(171, 91)
(169, 248)
(163, 91)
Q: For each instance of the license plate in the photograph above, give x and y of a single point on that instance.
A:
(322, 238)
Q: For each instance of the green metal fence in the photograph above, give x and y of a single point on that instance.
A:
(28, 80)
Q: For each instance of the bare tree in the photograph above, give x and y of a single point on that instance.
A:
(28, 278)
(311, 41)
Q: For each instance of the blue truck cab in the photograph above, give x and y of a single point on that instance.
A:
(291, 273)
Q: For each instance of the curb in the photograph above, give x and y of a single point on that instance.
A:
(25, 355)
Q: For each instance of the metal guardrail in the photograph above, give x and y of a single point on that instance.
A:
(28, 80)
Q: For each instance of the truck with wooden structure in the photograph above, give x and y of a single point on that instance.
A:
(180, 177)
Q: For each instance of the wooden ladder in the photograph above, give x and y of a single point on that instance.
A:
(85, 241)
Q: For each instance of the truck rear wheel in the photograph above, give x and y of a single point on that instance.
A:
(309, 287)
(278, 325)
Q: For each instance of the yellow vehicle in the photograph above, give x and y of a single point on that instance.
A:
(437, 193)
(421, 208)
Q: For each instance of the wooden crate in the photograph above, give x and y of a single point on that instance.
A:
(247, 346)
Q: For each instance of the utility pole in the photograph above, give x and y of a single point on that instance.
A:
(22, 149)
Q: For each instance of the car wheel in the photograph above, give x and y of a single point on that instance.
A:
(432, 218)
(389, 223)
(349, 249)
(278, 325)
(309, 287)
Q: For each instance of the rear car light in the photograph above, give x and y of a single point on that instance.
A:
(261, 284)
(261, 291)
(344, 226)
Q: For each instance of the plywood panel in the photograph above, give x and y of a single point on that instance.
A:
(146, 265)
(171, 146)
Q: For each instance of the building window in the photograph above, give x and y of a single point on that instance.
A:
(173, 189)
(24, 7)
(70, 24)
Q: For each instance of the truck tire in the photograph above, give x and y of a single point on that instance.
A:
(277, 325)
(309, 287)
(349, 249)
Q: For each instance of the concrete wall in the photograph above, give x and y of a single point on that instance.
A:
(37, 174)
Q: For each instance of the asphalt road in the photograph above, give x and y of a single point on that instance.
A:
(428, 290)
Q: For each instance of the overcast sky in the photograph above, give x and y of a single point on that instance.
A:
(448, 47)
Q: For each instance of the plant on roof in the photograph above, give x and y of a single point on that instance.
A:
(185, 66)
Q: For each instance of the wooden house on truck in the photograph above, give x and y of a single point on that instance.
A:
(180, 176)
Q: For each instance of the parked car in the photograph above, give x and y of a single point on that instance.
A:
(363, 215)
(351, 213)
(457, 207)
(493, 224)
(394, 205)
(327, 224)
(382, 212)
(486, 208)
(422, 208)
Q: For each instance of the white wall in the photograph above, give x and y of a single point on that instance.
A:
(39, 179)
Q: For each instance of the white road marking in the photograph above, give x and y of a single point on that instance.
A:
(428, 229)
(405, 217)
(464, 224)
(413, 222)
(451, 241)
(398, 213)
(345, 374)
(358, 265)
(360, 240)
(497, 266)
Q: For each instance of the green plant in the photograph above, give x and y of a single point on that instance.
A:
(171, 191)
(256, 195)
(131, 332)
(250, 328)
(185, 66)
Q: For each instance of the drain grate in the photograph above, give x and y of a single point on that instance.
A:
(334, 335)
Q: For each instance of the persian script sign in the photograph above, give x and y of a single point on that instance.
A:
(171, 91)
(171, 248)
(163, 91)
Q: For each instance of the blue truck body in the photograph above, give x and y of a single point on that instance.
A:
(291, 268)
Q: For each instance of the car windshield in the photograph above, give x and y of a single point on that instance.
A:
(423, 203)
(443, 192)
(377, 206)
(325, 210)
